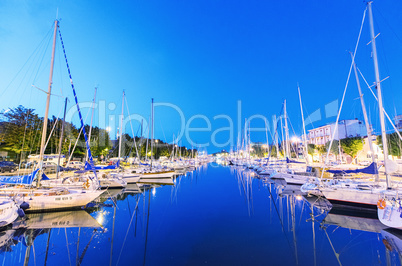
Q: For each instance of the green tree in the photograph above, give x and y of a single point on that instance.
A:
(394, 144)
(321, 149)
(19, 130)
(274, 152)
(352, 146)
(334, 146)
(311, 149)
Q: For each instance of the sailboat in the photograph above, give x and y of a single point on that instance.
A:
(8, 211)
(42, 199)
(296, 176)
(129, 175)
(363, 193)
(153, 174)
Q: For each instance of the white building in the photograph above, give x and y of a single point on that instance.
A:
(398, 122)
(346, 129)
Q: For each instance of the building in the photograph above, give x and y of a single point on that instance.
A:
(365, 155)
(346, 129)
(398, 122)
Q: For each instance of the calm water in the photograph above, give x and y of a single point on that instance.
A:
(216, 215)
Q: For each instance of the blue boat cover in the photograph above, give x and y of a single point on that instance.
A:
(109, 167)
(23, 179)
(292, 161)
(371, 169)
(44, 177)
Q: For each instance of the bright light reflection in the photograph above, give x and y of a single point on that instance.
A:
(299, 197)
(100, 219)
(154, 191)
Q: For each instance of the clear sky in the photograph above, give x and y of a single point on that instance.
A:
(204, 58)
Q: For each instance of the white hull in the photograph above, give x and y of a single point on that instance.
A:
(160, 181)
(53, 199)
(292, 178)
(355, 196)
(8, 212)
(112, 183)
(391, 214)
(146, 176)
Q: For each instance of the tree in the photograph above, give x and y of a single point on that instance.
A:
(18, 131)
(394, 144)
(352, 146)
(334, 146)
(311, 149)
(274, 152)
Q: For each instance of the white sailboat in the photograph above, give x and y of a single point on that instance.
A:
(153, 174)
(41, 199)
(365, 193)
(297, 176)
(8, 211)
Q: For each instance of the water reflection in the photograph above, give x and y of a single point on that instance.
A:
(215, 215)
(36, 224)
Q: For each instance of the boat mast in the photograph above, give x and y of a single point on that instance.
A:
(304, 126)
(379, 95)
(366, 121)
(121, 125)
(61, 138)
(44, 130)
(286, 130)
(276, 135)
(90, 127)
(152, 131)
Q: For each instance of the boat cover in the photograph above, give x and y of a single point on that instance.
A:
(371, 169)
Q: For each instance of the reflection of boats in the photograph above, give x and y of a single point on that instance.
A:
(319, 203)
(363, 221)
(290, 189)
(35, 224)
(64, 219)
(7, 240)
(392, 239)
(133, 188)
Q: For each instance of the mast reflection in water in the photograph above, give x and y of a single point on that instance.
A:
(214, 215)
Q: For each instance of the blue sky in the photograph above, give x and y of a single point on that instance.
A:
(201, 56)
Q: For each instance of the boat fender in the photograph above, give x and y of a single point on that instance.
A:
(381, 204)
(21, 213)
(24, 205)
(86, 185)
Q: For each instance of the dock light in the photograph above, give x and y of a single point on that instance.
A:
(299, 197)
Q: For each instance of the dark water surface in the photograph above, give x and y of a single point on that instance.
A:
(215, 216)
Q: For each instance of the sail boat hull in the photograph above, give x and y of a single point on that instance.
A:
(353, 197)
(391, 214)
(8, 212)
(55, 199)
